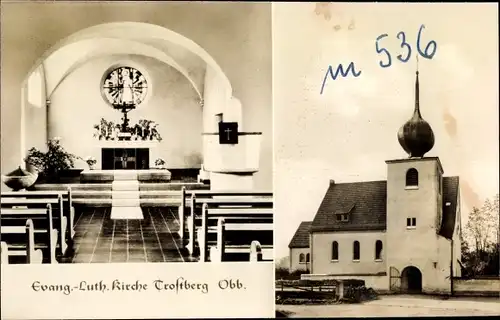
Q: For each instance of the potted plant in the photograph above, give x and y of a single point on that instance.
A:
(91, 161)
(51, 163)
(160, 163)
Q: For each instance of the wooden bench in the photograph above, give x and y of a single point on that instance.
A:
(29, 233)
(188, 197)
(15, 211)
(233, 227)
(68, 208)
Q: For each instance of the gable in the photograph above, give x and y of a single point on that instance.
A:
(301, 237)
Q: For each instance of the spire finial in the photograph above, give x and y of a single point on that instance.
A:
(416, 136)
(417, 92)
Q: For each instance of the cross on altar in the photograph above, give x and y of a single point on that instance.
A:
(228, 132)
(125, 160)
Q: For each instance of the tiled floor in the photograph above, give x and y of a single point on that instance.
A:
(99, 239)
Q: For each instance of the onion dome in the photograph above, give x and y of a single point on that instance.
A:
(416, 136)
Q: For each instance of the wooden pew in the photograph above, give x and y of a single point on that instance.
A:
(14, 210)
(229, 230)
(197, 197)
(68, 208)
(244, 200)
(29, 233)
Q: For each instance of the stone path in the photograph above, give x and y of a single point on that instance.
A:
(399, 306)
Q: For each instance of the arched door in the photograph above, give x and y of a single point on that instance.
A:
(411, 280)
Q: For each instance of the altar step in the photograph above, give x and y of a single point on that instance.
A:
(149, 194)
(123, 202)
(142, 202)
(125, 185)
(126, 212)
(143, 186)
(173, 186)
(108, 176)
(74, 186)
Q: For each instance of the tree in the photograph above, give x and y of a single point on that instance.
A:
(480, 252)
(482, 228)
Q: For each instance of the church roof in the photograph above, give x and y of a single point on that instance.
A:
(301, 237)
(365, 204)
(450, 195)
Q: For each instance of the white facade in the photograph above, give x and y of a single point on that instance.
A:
(412, 253)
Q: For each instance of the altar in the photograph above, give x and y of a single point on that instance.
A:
(126, 155)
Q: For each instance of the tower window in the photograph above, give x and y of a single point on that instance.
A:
(335, 250)
(412, 178)
(301, 258)
(308, 257)
(378, 250)
(411, 223)
(355, 251)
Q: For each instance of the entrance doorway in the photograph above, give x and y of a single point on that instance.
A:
(411, 280)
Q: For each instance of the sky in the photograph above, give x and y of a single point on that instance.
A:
(349, 131)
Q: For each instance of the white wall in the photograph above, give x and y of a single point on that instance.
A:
(421, 246)
(378, 283)
(477, 286)
(295, 263)
(322, 253)
(77, 105)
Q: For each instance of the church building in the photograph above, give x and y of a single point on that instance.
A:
(400, 235)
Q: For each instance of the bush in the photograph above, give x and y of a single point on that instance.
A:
(285, 274)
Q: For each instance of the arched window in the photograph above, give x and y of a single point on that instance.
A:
(301, 258)
(308, 257)
(35, 89)
(335, 250)
(355, 250)
(378, 250)
(412, 178)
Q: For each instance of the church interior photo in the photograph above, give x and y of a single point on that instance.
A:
(136, 132)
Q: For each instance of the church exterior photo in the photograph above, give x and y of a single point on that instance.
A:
(398, 235)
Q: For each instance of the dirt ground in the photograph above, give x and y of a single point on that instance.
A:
(399, 306)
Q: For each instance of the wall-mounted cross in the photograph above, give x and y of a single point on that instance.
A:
(228, 132)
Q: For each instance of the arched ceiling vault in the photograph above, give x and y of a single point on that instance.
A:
(61, 63)
(146, 39)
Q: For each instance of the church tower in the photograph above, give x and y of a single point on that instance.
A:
(414, 206)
